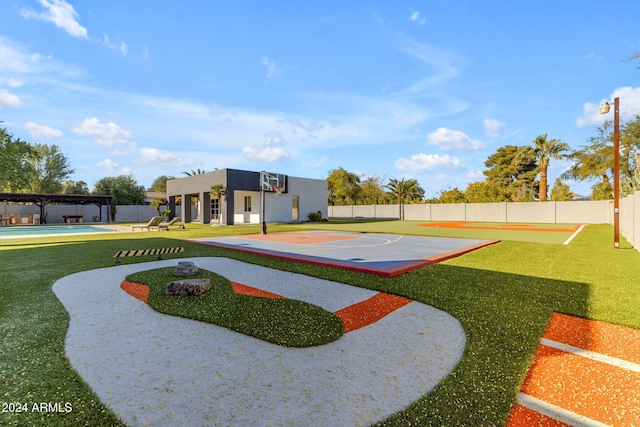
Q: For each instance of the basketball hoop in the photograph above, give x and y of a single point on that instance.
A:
(277, 189)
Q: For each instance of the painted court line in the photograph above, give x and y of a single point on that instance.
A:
(522, 416)
(620, 363)
(601, 337)
(585, 373)
(387, 256)
(574, 234)
(556, 412)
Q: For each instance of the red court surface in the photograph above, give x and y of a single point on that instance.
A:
(385, 255)
(508, 226)
(585, 372)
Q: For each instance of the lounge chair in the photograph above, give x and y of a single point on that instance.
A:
(175, 221)
(153, 223)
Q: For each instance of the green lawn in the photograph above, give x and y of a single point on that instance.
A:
(502, 294)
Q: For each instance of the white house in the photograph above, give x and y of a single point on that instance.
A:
(243, 203)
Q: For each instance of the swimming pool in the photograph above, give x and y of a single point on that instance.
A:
(51, 230)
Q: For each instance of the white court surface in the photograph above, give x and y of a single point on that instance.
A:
(153, 369)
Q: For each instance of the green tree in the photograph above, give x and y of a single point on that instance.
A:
(16, 163)
(372, 191)
(485, 192)
(602, 191)
(124, 189)
(513, 169)
(343, 187)
(561, 191)
(544, 150)
(51, 169)
(73, 187)
(453, 195)
(404, 191)
(218, 191)
(157, 202)
(160, 183)
(595, 160)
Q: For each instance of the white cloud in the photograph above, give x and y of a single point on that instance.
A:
(111, 168)
(118, 152)
(493, 127)
(428, 162)
(442, 64)
(7, 99)
(265, 154)
(629, 107)
(153, 155)
(41, 131)
(475, 175)
(415, 17)
(272, 68)
(117, 44)
(11, 82)
(453, 140)
(106, 134)
(272, 139)
(61, 14)
(16, 59)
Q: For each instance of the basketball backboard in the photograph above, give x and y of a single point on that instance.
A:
(273, 182)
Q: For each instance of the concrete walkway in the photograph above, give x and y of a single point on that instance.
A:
(152, 369)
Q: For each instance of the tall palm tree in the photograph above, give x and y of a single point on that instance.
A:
(544, 150)
(404, 191)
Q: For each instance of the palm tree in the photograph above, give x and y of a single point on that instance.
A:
(544, 150)
(404, 191)
(218, 191)
(193, 173)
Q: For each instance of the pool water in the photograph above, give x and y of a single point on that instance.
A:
(39, 230)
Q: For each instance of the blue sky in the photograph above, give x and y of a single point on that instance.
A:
(401, 89)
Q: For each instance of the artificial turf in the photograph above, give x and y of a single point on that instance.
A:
(281, 321)
(503, 295)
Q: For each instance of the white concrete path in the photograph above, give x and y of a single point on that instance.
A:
(153, 369)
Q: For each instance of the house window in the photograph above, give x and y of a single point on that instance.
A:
(247, 203)
(215, 208)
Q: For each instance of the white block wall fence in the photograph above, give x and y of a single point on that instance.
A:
(573, 212)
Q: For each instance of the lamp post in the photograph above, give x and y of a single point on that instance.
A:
(604, 109)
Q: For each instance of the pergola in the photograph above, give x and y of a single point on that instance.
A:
(42, 200)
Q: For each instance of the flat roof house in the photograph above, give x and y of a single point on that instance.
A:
(242, 205)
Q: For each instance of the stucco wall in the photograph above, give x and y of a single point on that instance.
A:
(312, 197)
(90, 213)
(312, 194)
(581, 212)
(630, 219)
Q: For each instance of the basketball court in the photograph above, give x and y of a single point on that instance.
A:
(385, 255)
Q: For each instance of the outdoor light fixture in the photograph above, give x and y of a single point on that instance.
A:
(604, 109)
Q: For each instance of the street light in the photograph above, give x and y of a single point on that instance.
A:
(604, 109)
